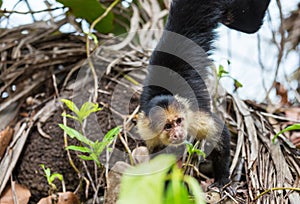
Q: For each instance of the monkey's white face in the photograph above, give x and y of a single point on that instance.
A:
(174, 131)
(165, 125)
(169, 124)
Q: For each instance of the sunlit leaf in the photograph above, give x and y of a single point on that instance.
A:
(177, 192)
(54, 176)
(95, 158)
(79, 148)
(72, 106)
(75, 134)
(221, 71)
(84, 157)
(70, 116)
(108, 138)
(195, 188)
(86, 109)
(200, 152)
(110, 135)
(148, 180)
(289, 128)
(237, 84)
(46, 170)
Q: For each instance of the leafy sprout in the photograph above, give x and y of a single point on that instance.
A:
(192, 149)
(91, 150)
(81, 114)
(51, 177)
(221, 73)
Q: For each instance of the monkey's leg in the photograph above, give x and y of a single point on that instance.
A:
(220, 155)
(221, 158)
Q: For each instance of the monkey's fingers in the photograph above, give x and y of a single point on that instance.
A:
(231, 190)
(222, 188)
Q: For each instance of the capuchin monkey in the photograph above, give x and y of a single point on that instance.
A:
(175, 102)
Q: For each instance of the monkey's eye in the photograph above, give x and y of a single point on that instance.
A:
(168, 126)
(179, 120)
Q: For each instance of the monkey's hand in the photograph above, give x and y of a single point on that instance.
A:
(223, 185)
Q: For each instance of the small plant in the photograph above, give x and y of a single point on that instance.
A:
(221, 73)
(191, 150)
(289, 128)
(161, 182)
(51, 177)
(92, 149)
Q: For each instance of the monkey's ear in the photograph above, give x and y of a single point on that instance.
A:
(143, 127)
(245, 15)
(143, 124)
(142, 118)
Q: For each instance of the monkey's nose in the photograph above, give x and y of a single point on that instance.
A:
(177, 139)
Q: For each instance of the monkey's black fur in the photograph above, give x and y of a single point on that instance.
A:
(178, 64)
(246, 15)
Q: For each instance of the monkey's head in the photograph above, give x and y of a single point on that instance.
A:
(164, 121)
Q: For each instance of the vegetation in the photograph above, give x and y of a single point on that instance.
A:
(39, 65)
(93, 149)
(159, 181)
(51, 177)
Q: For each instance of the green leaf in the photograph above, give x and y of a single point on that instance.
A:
(84, 157)
(145, 183)
(70, 116)
(237, 84)
(95, 158)
(86, 109)
(289, 128)
(108, 138)
(54, 176)
(0, 4)
(189, 147)
(110, 135)
(221, 71)
(121, 26)
(98, 147)
(200, 152)
(72, 106)
(79, 149)
(195, 189)
(46, 170)
(75, 134)
(177, 192)
(90, 10)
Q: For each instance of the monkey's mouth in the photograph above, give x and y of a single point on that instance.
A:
(177, 142)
